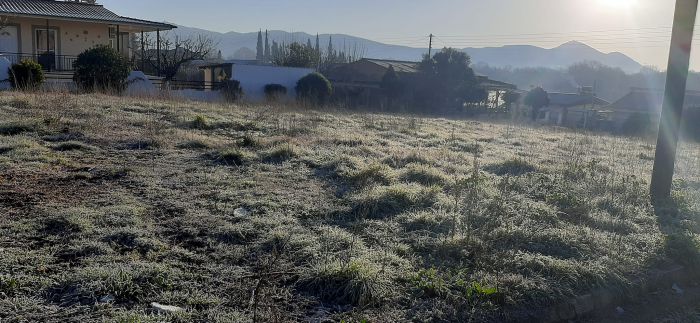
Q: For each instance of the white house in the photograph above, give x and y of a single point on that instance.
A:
(254, 78)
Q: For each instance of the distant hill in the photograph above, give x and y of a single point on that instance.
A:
(512, 55)
(559, 57)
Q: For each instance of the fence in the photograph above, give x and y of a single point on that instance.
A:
(49, 61)
(186, 85)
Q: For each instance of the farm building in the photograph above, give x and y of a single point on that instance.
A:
(254, 77)
(645, 104)
(575, 110)
(359, 83)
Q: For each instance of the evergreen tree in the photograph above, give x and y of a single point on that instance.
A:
(317, 52)
(330, 54)
(260, 55)
(318, 46)
(275, 51)
(268, 54)
(308, 43)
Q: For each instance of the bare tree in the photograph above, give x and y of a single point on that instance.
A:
(175, 52)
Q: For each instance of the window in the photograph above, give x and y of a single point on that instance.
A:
(46, 40)
(113, 37)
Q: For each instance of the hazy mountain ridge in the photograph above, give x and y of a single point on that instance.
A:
(516, 56)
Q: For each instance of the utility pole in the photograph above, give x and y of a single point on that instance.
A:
(674, 99)
(430, 46)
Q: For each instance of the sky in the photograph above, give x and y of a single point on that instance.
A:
(639, 28)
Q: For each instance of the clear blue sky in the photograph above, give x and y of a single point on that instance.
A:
(638, 28)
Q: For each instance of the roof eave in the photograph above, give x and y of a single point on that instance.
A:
(139, 23)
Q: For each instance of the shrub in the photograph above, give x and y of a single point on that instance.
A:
(314, 89)
(101, 69)
(274, 92)
(231, 90)
(27, 75)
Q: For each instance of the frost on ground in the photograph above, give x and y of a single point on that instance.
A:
(269, 213)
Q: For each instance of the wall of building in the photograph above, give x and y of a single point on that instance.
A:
(73, 39)
(253, 79)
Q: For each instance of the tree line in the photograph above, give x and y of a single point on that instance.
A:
(298, 54)
(610, 83)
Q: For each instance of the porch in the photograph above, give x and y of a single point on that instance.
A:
(54, 33)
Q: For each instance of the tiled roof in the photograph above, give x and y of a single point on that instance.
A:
(71, 11)
(488, 83)
(650, 100)
(399, 66)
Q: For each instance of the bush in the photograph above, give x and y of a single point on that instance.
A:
(314, 89)
(274, 92)
(231, 90)
(101, 69)
(27, 75)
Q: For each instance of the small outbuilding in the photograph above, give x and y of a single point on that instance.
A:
(574, 110)
(254, 78)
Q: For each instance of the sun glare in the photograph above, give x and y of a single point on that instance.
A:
(618, 4)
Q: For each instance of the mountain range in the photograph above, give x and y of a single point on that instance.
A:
(243, 45)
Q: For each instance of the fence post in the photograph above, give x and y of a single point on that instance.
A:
(674, 99)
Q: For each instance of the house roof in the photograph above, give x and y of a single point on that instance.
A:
(69, 10)
(399, 66)
(488, 83)
(650, 100)
(574, 99)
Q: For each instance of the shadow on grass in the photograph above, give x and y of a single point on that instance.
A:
(680, 224)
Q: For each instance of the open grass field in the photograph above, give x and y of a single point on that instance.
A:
(267, 214)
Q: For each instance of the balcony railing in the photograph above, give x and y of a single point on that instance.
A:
(49, 61)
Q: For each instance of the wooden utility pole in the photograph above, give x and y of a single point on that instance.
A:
(674, 99)
(430, 46)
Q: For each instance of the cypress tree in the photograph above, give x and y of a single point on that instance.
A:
(268, 56)
(331, 52)
(275, 51)
(260, 55)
